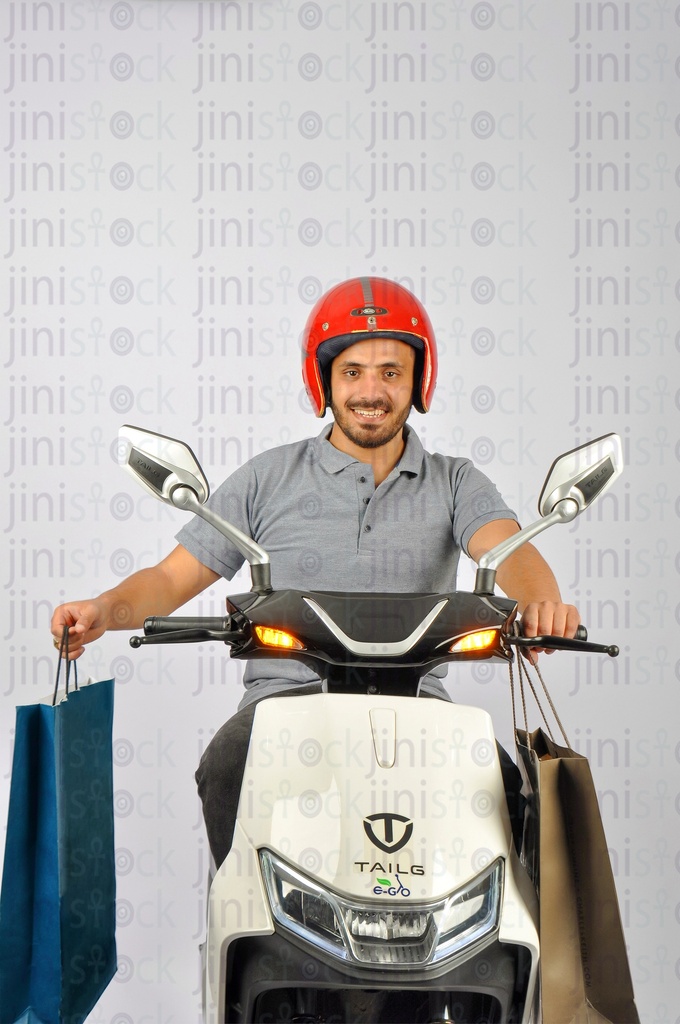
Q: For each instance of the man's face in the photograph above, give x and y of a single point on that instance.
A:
(371, 390)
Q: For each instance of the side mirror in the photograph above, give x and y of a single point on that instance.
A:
(169, 470)
(582, 475)
(575, 480)
(162, 464)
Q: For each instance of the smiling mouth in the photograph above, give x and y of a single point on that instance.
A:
(370, 414)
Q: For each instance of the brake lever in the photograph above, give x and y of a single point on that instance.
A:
(562, 643)
(188, 636)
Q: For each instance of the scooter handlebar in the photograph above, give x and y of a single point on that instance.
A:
(186, 629)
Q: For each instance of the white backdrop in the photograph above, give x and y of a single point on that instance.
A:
(182, 181)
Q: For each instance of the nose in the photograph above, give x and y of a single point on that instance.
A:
(371, 387)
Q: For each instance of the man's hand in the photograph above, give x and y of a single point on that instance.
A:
(86, 621)
(549, 618)
(527, 577)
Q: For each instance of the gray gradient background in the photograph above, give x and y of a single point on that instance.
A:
(456, 147)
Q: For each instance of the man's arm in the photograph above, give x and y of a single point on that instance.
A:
(156, 591)
(527, 578)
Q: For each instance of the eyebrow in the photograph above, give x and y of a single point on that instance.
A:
(355, 362)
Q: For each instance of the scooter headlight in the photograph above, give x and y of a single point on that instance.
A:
(381, 934)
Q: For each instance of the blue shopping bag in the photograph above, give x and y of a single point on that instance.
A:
(57, 903)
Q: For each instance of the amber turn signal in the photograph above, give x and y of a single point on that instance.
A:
(481, 640)
(277, 638)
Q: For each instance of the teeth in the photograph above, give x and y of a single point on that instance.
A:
(364, 412)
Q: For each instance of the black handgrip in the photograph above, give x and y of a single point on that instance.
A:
(163, 624)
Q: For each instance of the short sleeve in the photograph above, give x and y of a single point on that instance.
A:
(476, 502)
(233, 500)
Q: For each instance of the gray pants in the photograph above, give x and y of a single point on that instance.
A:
(220, 774)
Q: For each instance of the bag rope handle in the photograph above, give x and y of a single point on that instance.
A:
(525, 678)
(63, 656)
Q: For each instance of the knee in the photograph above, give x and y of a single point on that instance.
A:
(226, 754)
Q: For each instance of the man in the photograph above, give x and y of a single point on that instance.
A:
(361, 507)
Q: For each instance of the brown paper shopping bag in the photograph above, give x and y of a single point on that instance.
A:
(585, 976)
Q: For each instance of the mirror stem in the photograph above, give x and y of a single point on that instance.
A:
(485, 580)
(257, 557)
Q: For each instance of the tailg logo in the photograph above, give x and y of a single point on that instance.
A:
(389, 832)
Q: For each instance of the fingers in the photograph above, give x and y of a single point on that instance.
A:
(81, 618)
(74, 651)
(549, 618)
(75, 646)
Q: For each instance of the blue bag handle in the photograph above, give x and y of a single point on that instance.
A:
(63, 655)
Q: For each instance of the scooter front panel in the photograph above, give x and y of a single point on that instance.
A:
(317, 791)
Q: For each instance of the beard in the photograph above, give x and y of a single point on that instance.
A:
(370, 435)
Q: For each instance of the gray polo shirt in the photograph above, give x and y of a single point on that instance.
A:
(326, 526)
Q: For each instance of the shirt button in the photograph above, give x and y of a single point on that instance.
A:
(366, 501)
(367, 529)
(362, 479)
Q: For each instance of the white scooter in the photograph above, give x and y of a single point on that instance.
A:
(372, 874)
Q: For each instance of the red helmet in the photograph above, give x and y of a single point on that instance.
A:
(366, 307)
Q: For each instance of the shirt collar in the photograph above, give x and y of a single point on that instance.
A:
(334, 461)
